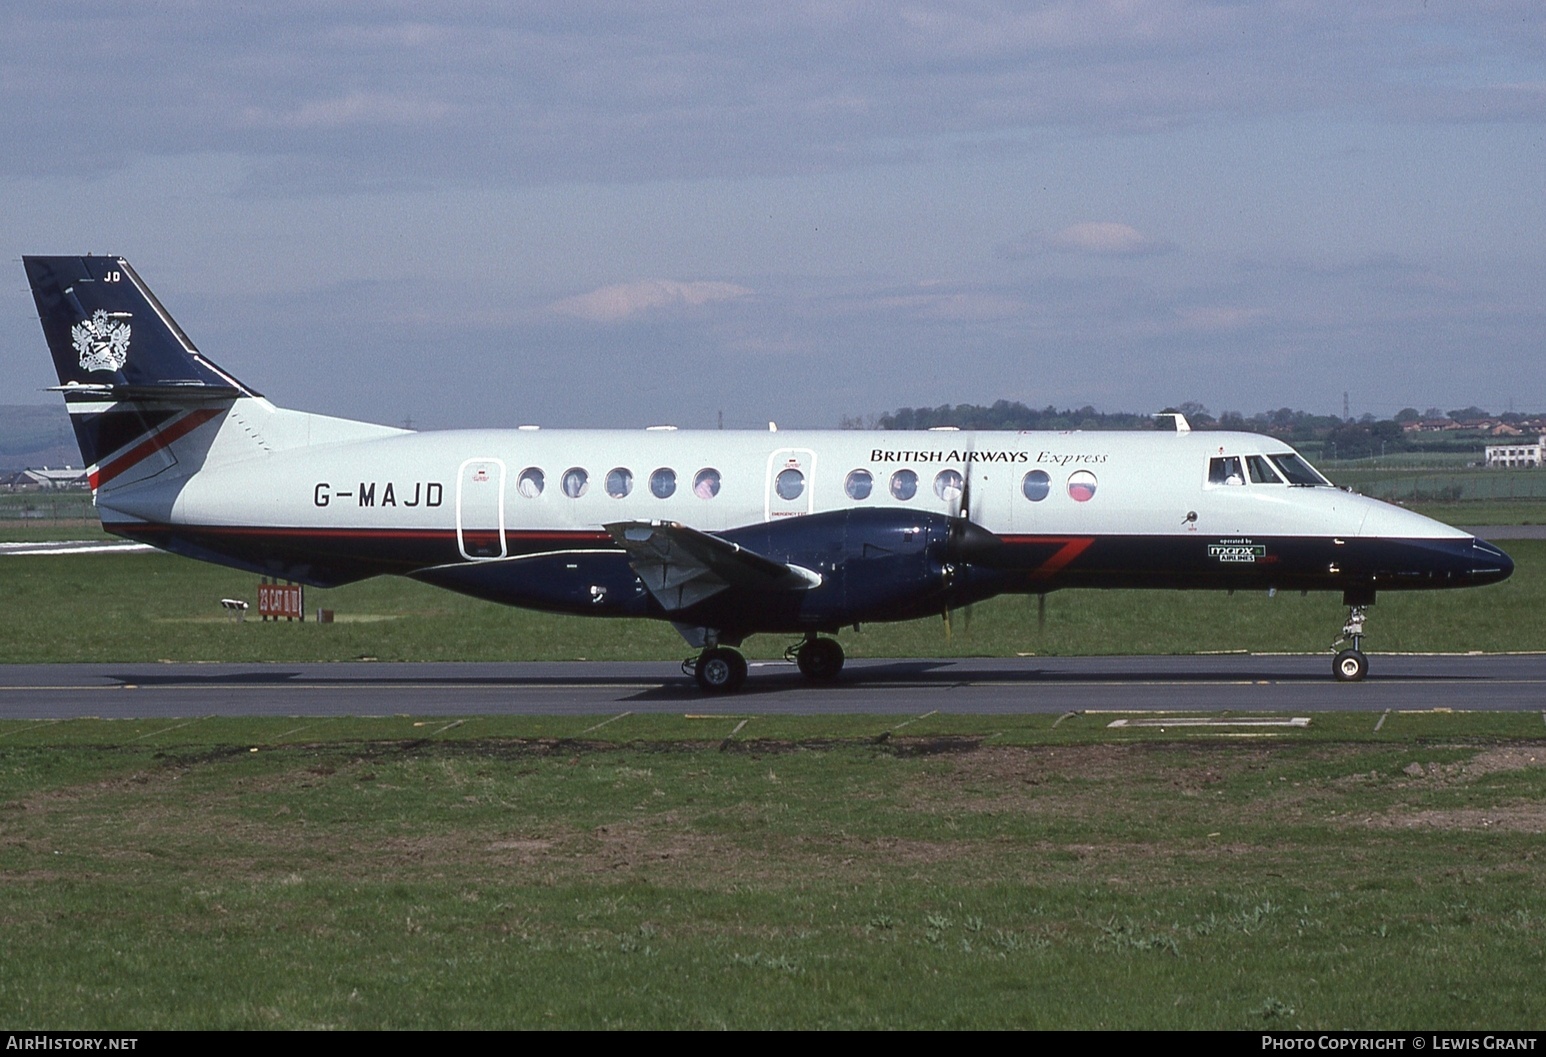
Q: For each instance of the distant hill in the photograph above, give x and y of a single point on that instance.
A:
(36, 435)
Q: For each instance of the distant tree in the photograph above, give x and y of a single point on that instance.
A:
(1312, 434)
(1008, 415)
(1195, 413)
(1360, 440)
(1468, 414)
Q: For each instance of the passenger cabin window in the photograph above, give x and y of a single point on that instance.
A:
(1225, 470)
(619, 482)
(530, 483)
(1081, 486)
(947, 486)
(575, 482)
(789, 484)
(706, 484)
(904, 485)
(663, 483)
(859, 484)
(1036, 485)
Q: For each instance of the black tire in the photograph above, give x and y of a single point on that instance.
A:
(720, 671)
(820, 659)
(1350, 666)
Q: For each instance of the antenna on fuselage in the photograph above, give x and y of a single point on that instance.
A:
(1182, 425)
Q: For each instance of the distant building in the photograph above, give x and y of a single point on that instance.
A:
(1516, 455)
(44, 480)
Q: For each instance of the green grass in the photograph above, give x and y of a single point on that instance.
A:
(149, 607)
(1439, 459)
(965, 873)
(1423, 485)
(48, 515)
(1483, 512)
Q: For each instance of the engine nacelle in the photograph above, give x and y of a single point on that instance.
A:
(875, 564)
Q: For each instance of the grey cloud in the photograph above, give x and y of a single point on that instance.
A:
(482, 92)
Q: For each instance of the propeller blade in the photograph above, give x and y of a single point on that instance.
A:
(969, 541)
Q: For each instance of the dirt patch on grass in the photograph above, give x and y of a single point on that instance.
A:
(1062, 779)
(1510, 818)
(1506, 758)
(419, 810)
(1496, 760)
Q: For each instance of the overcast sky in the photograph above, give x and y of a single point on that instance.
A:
(588, 214)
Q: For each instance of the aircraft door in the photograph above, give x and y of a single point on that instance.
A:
(791, 483)
(480, 509)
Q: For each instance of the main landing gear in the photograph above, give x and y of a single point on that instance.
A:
(1350, 665)
(819, 659)
(722, 670)
(718, 670)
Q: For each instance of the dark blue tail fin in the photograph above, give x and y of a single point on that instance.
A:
(110, 336)
(132, 381)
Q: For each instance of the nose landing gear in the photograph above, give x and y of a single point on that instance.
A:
(1350, 665)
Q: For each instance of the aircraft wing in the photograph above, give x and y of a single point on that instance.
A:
(681, 566)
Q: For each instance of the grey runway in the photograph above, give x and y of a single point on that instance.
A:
(1252, 683)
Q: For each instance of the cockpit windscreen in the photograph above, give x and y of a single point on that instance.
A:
(1298, 471)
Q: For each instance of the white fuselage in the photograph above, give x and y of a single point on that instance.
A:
(1096, 483)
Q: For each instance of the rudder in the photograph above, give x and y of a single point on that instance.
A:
(133, 382)
(107, 333)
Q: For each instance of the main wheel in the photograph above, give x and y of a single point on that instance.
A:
(720, 670)
(820, 659)
(1350, 666)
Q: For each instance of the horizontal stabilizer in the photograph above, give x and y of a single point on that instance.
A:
(681, 566)
(160, 394)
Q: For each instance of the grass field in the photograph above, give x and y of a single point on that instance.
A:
(751, 871)
(1414, 487)
(149, 607)
(960, 873)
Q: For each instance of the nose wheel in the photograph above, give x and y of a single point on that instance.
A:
(1350, 665)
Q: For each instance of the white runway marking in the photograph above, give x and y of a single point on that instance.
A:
(76, 547)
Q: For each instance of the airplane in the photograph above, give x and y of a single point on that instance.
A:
(725, 534)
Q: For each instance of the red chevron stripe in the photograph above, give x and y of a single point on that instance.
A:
(155, 442)
(1070, 547)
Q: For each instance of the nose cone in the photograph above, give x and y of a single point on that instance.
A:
(1488, 563)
